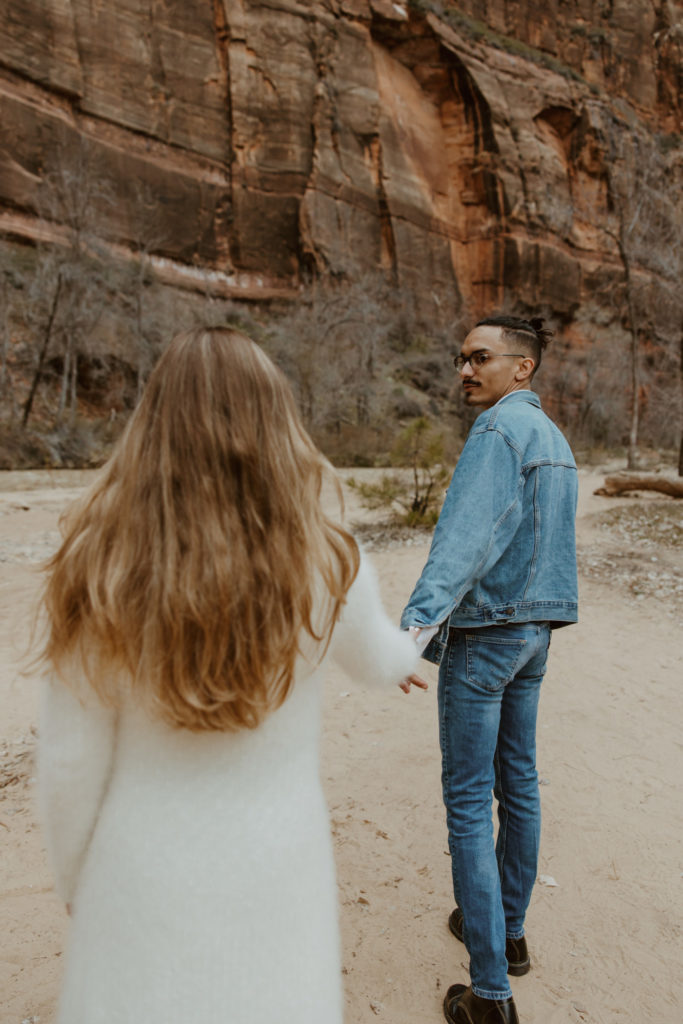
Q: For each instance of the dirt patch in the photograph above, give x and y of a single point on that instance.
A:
(640, 551)
(654, 524)
(385, 536)
(608, 753)
(17, 763)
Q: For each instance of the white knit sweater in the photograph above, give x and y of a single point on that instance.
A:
(199, 865)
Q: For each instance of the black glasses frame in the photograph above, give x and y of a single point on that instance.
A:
(482, 356)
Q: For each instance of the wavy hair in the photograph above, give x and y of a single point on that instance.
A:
(196, 564)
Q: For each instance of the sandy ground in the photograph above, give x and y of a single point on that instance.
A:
(604, 923)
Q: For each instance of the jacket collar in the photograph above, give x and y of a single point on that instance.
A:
(519, 396)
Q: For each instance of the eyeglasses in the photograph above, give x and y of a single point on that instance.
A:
(481, 356)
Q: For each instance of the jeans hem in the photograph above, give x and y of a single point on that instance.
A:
(485, 993)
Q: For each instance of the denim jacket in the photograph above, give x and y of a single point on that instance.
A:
(504, 547)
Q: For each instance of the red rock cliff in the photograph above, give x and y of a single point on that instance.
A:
(464, 152)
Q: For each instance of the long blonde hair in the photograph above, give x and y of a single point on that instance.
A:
(193, 564)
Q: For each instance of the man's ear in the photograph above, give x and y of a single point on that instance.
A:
(525, 369)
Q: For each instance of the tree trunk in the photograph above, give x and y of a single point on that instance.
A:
(632, 456)
(680, 370)
(43, 352)
(66, 376)
(4, 335)
(621, 482)
(3, 360)
(73, 387)
(139, 285)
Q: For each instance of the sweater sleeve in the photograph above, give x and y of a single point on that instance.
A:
(366, 644)
(75, 757)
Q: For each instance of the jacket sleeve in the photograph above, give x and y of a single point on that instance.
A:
(75, 757)
(480, 515)
(366, 644)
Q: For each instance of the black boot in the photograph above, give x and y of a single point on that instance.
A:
(515, 949)
(462, 1006)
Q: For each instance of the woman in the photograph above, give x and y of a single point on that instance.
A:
(197, 593)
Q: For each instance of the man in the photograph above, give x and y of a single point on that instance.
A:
(501, 574)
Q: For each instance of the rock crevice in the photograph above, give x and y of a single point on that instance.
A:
(465, 153)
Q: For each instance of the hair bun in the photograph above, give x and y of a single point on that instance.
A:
(544, 334)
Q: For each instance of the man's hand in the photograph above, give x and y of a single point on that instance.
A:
(413, 681)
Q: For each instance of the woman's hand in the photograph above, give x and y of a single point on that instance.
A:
(413, 681)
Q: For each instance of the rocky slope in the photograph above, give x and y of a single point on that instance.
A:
(472, 153)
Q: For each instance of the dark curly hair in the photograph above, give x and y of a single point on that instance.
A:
(530, 334)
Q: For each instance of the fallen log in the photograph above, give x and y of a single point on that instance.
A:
(618, 483)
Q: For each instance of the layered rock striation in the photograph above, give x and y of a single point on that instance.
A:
(469, 152)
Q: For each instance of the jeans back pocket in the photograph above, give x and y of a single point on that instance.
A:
(493, 661)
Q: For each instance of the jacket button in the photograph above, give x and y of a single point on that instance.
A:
(509, 611)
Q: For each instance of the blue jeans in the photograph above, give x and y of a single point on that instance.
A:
(489, 686)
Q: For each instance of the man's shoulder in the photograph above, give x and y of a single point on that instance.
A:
(521, 421)
(521, 408)
(518, 410)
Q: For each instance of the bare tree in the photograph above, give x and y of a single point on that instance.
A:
(646, 226)
(67, 292)
(4, 336)
(148, 237)
(680, 382)
(413, 498)
(332, 344)
(44, 346)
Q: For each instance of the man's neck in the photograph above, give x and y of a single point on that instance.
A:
(515, 392)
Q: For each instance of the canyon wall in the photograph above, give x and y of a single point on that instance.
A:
(470, 150)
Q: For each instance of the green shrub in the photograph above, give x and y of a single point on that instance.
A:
(411, 498)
